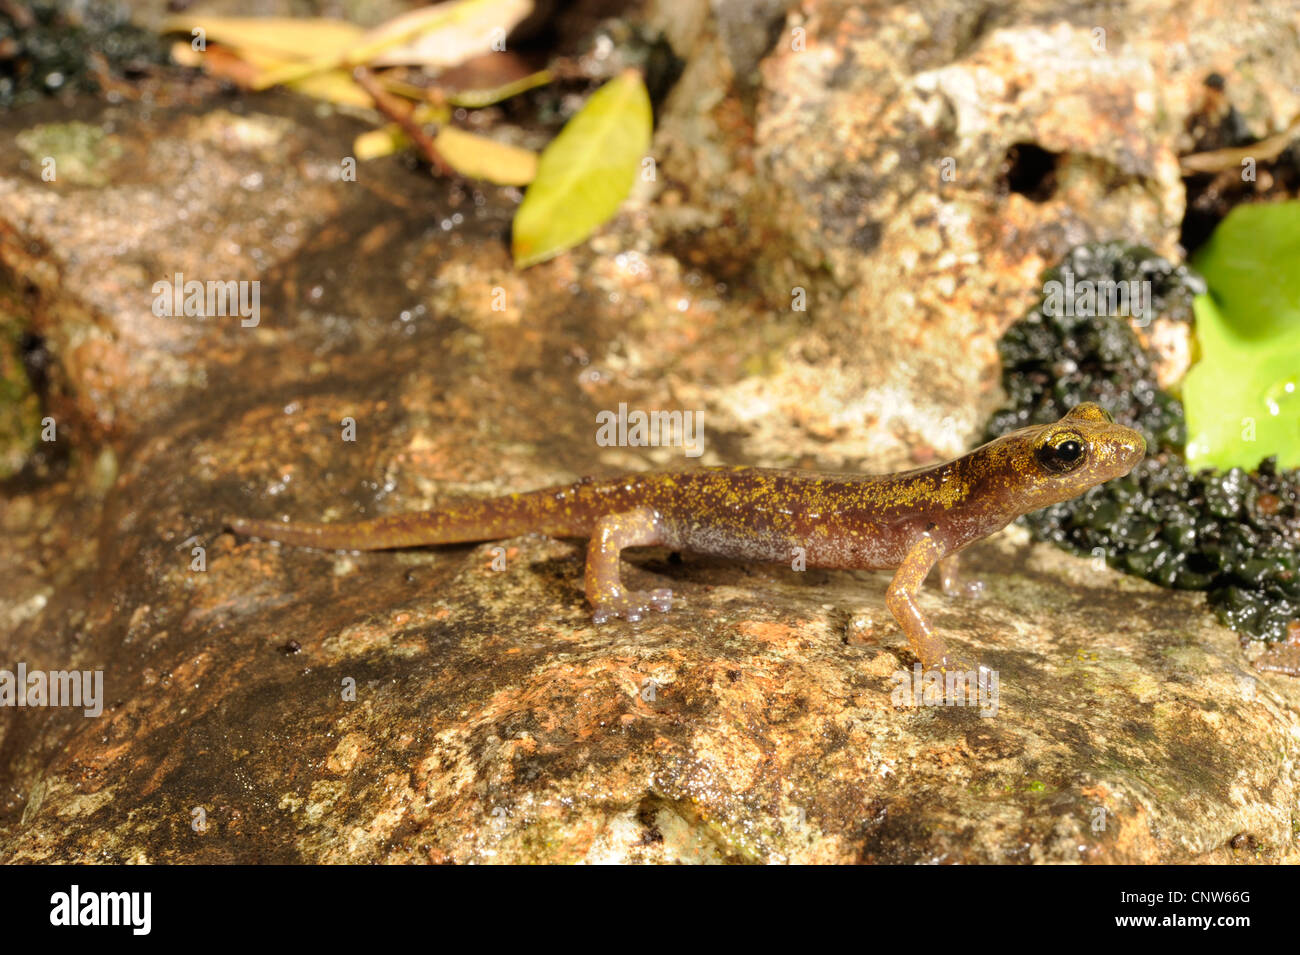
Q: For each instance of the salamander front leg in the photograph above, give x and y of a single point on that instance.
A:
(605, 591)
(901, 600)
(952, 587)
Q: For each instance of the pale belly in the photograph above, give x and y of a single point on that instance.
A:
(807, 542)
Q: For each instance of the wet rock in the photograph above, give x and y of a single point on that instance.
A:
(911, 171)
(187, 200)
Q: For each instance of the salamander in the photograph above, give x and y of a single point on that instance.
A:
(911, 520)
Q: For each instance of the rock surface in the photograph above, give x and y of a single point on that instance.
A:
(269, 704)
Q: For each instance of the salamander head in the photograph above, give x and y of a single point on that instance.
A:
(1049, 463)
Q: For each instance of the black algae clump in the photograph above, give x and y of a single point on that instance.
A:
(1235, 534)
(1051, 362)
(48, 48)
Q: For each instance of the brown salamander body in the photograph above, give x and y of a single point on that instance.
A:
(910, 520)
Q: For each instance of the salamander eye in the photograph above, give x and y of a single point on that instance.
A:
(1061, 455)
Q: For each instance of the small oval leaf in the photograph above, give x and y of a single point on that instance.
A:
(478, 157)
(586, 172)
(1242, 397)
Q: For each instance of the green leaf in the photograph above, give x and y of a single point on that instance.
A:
(586, 172)
(1242, 398)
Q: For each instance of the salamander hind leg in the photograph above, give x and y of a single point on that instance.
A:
(605, 591)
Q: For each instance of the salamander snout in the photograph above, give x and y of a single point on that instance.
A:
(1133, 446)
(1119, 449)
(1114, 451)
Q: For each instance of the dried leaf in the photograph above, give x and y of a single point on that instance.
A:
(380, 142)
(333, 86)
(478, 157)
(447, 33)
(440, 35)
(390, 138)
(280, 38)
(246, 67)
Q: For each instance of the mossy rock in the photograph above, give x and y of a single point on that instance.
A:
(81, 154)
